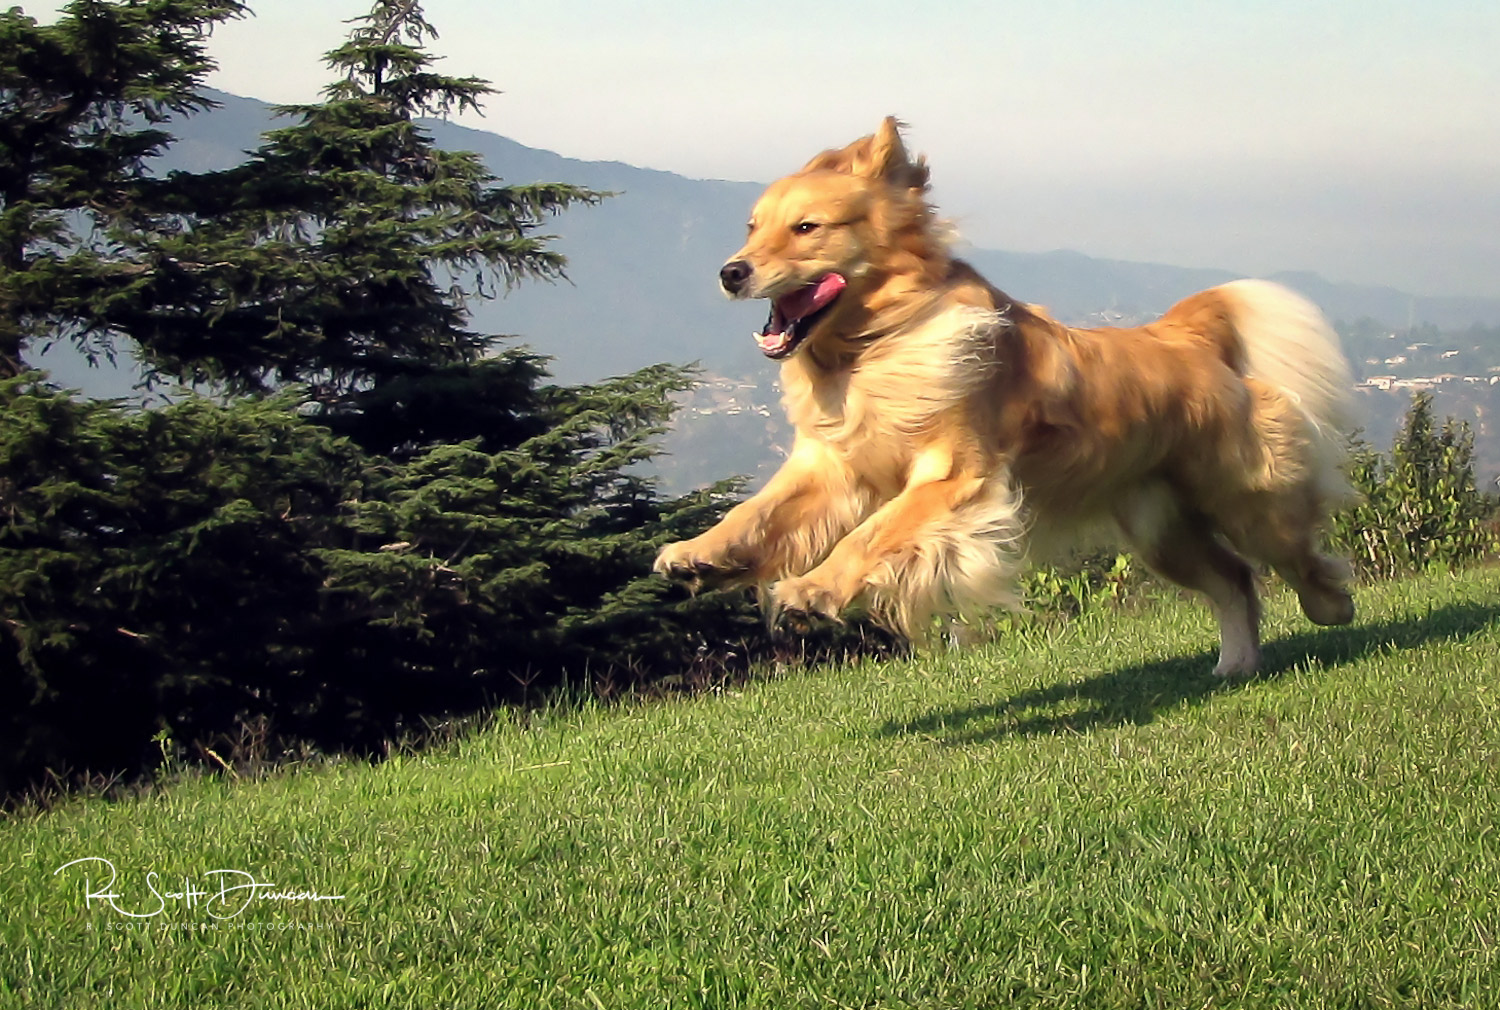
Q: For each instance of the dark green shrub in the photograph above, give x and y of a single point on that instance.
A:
(1420, 504)
(203, 566)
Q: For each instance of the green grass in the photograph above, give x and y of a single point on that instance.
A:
(1074, 816)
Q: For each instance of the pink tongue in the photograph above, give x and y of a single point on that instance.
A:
(811, 298)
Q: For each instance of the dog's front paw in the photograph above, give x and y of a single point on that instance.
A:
(798, 602)
(699, 564)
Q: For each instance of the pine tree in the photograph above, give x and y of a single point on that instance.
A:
(344, 251)
(82, 103)
(379, 515)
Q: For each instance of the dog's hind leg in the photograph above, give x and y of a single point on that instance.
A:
(1182, 546)
(1281, 529)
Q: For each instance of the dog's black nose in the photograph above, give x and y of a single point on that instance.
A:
(734, 275)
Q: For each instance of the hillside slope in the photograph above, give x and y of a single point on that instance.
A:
(1073, 816)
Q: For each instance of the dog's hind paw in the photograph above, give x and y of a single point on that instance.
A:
(1238, 666)
(1327, 606)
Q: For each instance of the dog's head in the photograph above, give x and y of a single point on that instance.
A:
(824, 239)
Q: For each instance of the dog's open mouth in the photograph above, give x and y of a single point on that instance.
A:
(793, 316)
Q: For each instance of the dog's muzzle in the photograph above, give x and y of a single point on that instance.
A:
(734, 276)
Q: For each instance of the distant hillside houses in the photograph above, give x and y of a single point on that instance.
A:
(720, 395)
(1415, 383)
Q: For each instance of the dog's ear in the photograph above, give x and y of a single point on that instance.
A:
(885, 157)
(881, 155)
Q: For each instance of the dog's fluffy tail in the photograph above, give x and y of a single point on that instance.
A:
(1290, 347)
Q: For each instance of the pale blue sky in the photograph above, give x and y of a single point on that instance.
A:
(1358, 138)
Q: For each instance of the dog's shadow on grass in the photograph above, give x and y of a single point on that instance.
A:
(1136, 694)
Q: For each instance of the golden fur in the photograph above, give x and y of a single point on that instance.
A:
(946, 432)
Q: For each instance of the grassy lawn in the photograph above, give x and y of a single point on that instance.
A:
(1074, 816)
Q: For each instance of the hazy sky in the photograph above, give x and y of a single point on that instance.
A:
(1358, 138)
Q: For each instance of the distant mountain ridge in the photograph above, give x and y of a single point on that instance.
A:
(643, 264)
(643, 289)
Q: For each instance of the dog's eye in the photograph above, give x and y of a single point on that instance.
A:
(804, 227)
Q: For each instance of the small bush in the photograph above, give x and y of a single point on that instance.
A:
(1099, 578)
(1418, 506)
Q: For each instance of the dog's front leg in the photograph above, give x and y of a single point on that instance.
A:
(784, 529)
(948, 541)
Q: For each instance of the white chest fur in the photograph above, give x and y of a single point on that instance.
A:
(873, 414)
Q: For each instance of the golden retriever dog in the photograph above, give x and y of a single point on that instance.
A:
(946, 433)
